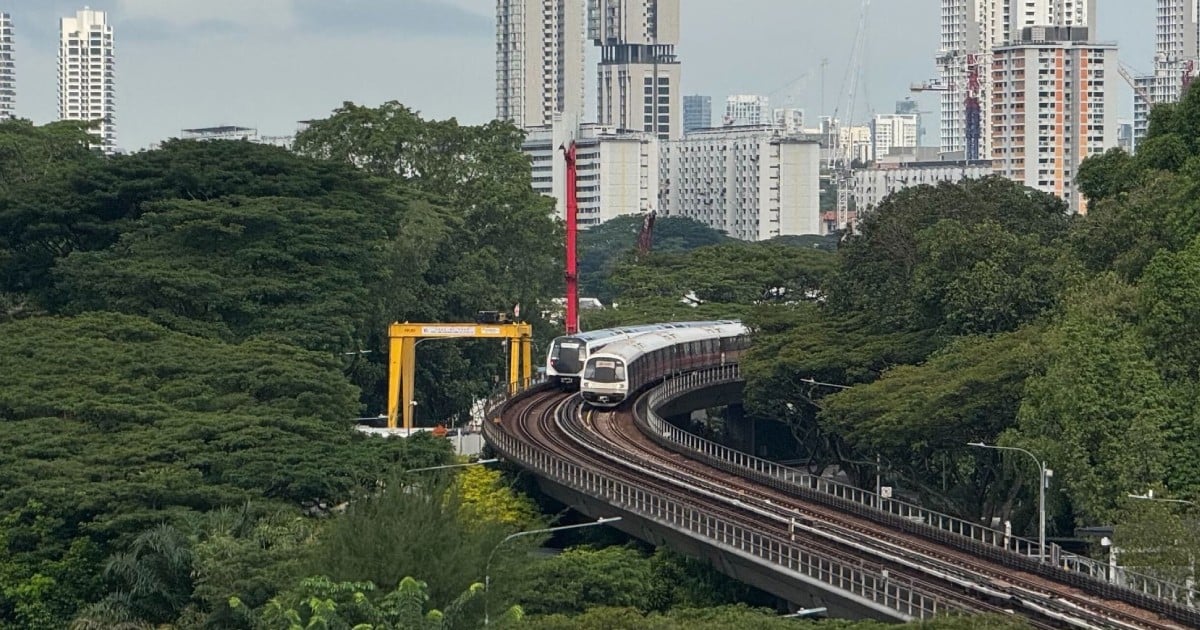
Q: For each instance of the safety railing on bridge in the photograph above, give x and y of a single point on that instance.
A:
(872, 505)
(870, 584)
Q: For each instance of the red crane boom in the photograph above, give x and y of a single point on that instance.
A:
(572, 272)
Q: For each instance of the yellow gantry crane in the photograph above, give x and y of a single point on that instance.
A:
(402, 344)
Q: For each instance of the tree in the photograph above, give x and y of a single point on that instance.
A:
(149, 425)
(794, 343)
(153, 577)
(917, 233)
(492, 243)
(602, 247)
(1107, 175)
(919, 418)
(1100, 411)
(252, 552)
(28, 152)
(414, 527)
(579, 579)
(736, 273)
(319, 602)
(1158, 538)
(238, 268)
(1168, 296)
(86, 206)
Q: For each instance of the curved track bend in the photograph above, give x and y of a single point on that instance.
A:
(609, 441)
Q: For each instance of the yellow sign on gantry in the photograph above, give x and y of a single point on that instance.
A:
(402, 346)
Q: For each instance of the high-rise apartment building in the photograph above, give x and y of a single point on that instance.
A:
(789, 120)
(970, 30)
(86, 87)
(910, 106)
(697, 113)
(1055, 96)
(618, 171)
(750, 182)
(638, 73)
(8, 71)
(747, 109)
(1176, 60)
(893, 131)
(539, 60)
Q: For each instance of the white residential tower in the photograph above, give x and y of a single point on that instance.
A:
(539, 60)
(617, 171)
(638, 75)
(747, 109)
(8, 71)
(86, 87)
(753, 183)
(893, 131)
(1176, 60)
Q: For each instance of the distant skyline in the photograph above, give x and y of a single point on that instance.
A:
(269, 63)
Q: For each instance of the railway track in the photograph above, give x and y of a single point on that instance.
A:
(540, 421)
(611, 442)
(1061, 603)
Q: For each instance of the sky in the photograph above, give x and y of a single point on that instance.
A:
(269, 63)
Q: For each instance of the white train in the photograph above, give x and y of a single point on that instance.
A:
(564, 362)
(621, 369)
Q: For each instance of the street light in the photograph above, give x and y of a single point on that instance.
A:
(479, 462)
(487, 570)
(810, 381)
(1149, 496)
(878, 465)
(1044, 475)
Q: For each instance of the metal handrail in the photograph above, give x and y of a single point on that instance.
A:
(872, 585)
(793, 479)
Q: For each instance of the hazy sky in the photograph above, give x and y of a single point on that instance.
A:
(269, 63)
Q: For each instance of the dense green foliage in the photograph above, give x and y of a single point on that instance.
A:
(187, 332)
(980, 312)
(722, 281)
(603, 247)
(175, 326)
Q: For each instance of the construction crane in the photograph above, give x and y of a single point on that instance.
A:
(1140, 90)
(972, 112)
(842, 167)
(572, 271)
(646, 235)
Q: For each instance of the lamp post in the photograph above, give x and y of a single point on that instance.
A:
(1044, 475)
(878, 464)
(487, 570)
(445, 466)
(1149, 496)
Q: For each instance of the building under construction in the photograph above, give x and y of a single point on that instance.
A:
(970, 30)
(1176, 55)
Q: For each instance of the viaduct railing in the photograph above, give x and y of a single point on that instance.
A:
(894, 595)
(1115, 582)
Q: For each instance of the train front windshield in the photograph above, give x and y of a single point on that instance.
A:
(605, 371)
(566, 355)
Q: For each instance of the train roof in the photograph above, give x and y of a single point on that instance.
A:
(634, 347)
(607, 333)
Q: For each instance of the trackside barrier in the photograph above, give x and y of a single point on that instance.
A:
(1141, 590)
(870, 584)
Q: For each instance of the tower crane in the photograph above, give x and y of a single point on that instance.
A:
(842, 164)
(1140, 90)
(972, 113)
